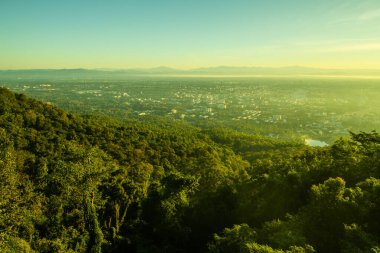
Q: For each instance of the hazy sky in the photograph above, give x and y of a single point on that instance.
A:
(186, 34)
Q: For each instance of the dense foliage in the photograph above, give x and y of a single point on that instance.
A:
(71, 183)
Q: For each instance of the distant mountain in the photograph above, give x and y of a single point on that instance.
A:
(83, 73)
(167, 71)
(53, 73)
(290, 70)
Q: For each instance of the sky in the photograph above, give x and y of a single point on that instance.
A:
(186, 34)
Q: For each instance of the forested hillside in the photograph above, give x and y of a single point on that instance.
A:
(71, 183)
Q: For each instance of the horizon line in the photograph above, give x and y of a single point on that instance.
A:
(190, 69)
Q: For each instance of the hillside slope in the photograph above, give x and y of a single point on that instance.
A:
(70, 183)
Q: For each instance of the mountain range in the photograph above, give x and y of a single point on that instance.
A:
(167, 71)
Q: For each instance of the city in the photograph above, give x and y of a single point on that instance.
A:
(323, 109)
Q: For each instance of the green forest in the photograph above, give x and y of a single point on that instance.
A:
(91, 184)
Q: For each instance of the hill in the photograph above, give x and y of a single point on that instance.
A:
(71, 183)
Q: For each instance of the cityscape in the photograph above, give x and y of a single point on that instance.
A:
(323, 109)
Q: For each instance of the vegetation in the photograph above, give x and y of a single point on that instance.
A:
(71, 183)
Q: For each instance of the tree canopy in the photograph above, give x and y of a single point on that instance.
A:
(72, 183)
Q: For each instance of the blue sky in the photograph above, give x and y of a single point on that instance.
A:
(189, 34)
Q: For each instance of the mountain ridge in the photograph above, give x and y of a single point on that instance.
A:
(164, 70)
